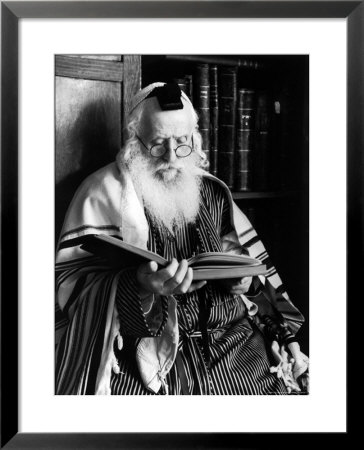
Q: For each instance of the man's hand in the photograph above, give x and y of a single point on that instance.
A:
(176, 278)
(236, 286)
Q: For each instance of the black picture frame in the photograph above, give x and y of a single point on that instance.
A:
(11, 13)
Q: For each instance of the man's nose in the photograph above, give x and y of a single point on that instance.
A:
(170, 154)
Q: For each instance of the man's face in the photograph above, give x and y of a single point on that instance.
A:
(170, 128)
(168, 186)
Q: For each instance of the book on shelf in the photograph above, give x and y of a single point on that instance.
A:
(202, 104)
(189, 86)
(245, 135)
(185, 85)
(214, 119)
(262, 142)
(181, 83)
(206, 266)
(227, 122)
(279, 163)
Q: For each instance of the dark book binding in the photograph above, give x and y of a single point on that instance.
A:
(182, 84)
(244, 140)
(189, 86)
(262, 144)
(227, 122)
(287, 115)
(280, 128)
(202, 105)
(214, 119)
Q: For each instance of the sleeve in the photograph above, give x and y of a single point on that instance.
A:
(226, 226)
(84, 297)
(268, 291)
(278, 320)
(139, 317)
(87, 292)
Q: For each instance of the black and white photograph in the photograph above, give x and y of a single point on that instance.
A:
(181, 224)
(182, 208)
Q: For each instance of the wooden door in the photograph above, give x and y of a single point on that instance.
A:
(92, 95)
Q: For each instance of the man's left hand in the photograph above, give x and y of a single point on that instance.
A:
(236, 286)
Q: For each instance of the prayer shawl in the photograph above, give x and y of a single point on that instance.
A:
(87, 325)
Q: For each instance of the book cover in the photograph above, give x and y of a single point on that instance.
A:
(189, 86)
(262, 142)
(206, 266)
(182, 84)
(214, 119)
(227, 122)
(202, 104)
(283, 122)
(245, 134)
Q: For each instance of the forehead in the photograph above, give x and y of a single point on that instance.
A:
(155, 122)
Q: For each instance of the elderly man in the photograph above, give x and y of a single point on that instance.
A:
(150, 330)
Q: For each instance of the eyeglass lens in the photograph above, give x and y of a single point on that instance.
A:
(181, 151)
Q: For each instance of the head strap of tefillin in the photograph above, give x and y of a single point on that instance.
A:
(169, 96)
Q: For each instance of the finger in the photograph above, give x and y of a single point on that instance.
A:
(182, 280)
(181, 272)
(246, 281)
(145, 270)
(169, 271)
(144, 275)
(150, 267)
(239, 291)
(236, 292)
(197, 285)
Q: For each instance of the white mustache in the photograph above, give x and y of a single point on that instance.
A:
(165, 167)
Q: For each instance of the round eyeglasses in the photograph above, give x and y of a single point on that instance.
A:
(159, 150)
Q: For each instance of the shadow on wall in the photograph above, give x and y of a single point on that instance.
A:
(82, 146)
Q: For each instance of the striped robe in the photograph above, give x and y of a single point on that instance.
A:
(238, 360)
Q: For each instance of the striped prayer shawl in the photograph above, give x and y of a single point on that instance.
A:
(87, 323)
(239, 362)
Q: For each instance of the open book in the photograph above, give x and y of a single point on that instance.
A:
(206, 266)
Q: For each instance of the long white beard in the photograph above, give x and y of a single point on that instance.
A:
(171, 196)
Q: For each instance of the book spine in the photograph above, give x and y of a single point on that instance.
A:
(288, 124)
(182, 84)
(262, 141)
(189, 86)
(244, 140)
(227, 122)
(279, 161)
(214, 119)
(202, 105)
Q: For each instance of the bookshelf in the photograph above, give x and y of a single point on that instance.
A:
(276, 198)
(262, 195)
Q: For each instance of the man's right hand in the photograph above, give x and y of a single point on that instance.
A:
(176, 278)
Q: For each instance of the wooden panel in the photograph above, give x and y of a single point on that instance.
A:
(89, 69)
(88, 122)
(104, 57)
(132, 80)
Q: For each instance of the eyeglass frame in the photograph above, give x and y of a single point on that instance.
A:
(175, 149)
